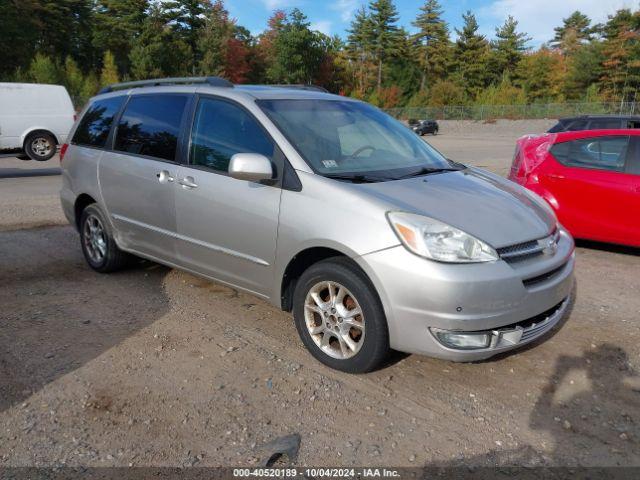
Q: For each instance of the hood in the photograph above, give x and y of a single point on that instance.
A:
(484, 205)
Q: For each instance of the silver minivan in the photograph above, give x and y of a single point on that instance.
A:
(323, 206)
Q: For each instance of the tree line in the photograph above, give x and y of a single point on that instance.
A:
(85, 44)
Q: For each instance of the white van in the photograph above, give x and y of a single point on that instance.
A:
(34, 118)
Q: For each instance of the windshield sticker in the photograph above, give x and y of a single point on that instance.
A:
(329, 163)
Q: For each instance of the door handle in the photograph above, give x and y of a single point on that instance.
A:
(164, 176)
(555, 175)
(188, 182)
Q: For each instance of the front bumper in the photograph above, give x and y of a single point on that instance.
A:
(420, 294)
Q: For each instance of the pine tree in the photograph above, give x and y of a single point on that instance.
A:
(214, 40)
(298, 53)
(575, 30)
(433, 45)
(384, 32)
(540, 75)
(18, 35)
(508, 47)
(360, 46)
(188, 18)
(117, 24)
(43, 70)
(90, 87)
(109, 73)
(621, 51)
(470, 56)
(73, 79)
(158, 51)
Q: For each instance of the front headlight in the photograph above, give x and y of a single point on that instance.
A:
(438, 241)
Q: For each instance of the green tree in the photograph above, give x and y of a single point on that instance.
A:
(188, 18)
(90, 87)
(43, 70)
(384, 32)
(298, 53)
(73, 79)
(445, 92)
(471, 55)
(109, 73)
(158, 51)
(621, 52)
(508, 47)
(503, 93)
(575, 30)
(432, 41)
(540, 74)
(117, 24)
(214, 40)
(18, 35)
(584, 68)
(360, 48)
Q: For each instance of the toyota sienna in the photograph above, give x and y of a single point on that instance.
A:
(323, 206)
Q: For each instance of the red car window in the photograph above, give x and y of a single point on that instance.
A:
(600, 153)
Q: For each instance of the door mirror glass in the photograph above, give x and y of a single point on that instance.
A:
(252, 167)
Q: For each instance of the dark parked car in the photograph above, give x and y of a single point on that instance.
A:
(596, 122)
(422, 127)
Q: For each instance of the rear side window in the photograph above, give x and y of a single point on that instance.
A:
(576, 125)
(222, 129)
(602, 153)
(95, 125)
(150, 126)
(604, 123)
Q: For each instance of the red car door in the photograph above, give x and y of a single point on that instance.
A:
(596, 196)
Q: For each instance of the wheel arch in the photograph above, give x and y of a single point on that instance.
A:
(304, 259)
(82, 201)
(32, 130)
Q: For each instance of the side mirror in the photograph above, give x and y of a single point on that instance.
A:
(252, 167)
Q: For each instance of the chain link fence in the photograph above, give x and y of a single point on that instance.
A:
(535, 110)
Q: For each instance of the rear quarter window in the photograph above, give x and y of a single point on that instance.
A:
(93, 129)
(601, 153)
(604, 124)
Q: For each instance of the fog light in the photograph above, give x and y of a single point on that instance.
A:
(463, 341)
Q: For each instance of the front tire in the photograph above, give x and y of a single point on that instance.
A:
(40, 146)
(339, 317)
(98, 246)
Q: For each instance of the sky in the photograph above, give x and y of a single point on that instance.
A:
(535, 17)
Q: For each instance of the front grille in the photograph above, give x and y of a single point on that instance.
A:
(520, 251)
(536, 325)
(526, 250)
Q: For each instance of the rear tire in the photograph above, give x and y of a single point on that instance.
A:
(98, 246)
(40, 146)
(340, 318)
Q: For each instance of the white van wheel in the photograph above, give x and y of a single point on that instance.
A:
(40, 146)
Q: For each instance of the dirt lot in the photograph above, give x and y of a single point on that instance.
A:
(153, 366)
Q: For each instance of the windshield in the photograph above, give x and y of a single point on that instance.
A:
(338, 138)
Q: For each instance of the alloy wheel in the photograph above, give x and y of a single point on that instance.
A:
(94, 238)
(334, 319)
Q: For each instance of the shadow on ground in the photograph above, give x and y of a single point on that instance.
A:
(590, 411)
(47, 332)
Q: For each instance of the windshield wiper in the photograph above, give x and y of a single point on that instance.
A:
(428, 171)
(357, 178)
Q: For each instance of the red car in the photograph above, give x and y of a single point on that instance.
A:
(590, 178)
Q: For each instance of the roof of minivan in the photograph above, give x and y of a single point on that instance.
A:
(261, 92)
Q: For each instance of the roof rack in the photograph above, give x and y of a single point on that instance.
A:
(212, 81)
(302, 87)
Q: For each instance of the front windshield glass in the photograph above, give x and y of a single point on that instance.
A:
(341, 137)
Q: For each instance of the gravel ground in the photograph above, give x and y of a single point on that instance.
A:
(155, 367)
